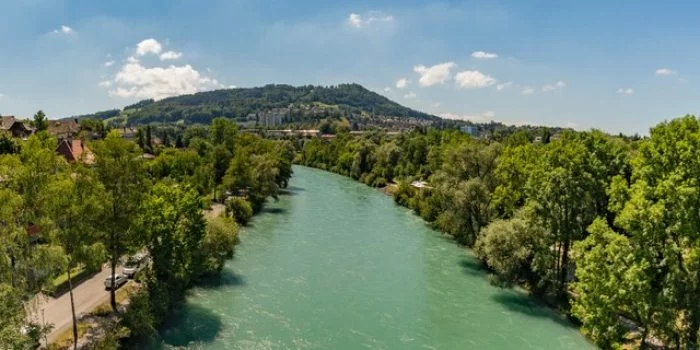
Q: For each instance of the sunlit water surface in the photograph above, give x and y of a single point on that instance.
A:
(335, 264)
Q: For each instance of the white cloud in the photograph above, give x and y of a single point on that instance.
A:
(484, 117)
(387, 89)
(355, 20)
(402, 83)
(665, 71)
(625, 91)
(527, 91)
(63, 29)
(437, 74)
(2, 95)
(170, 55)
(358, 21)
(410, 95)
(136, 80)
(503, 86)
(473, 79)
(148, 46)
(483, 55)
(109, 63)
(556, 86)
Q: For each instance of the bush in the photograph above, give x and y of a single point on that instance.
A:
(139, 318)
(240, 210)
(218, 243)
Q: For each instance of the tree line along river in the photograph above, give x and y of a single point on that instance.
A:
(335, 264)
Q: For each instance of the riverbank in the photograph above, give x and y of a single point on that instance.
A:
(561, 307)
(335, 265)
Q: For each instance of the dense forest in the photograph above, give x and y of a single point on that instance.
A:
(292, 104)
(59, 218)
(604, 227)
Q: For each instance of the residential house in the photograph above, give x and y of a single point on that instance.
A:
(14, 127)
(75, 151)
(63, 129)
(127, 133)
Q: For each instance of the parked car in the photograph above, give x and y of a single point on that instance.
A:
(134, 265)
(118, 281)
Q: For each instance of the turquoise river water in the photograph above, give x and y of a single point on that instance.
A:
(335, 264)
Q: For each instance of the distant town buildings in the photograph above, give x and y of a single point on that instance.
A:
(471, 130)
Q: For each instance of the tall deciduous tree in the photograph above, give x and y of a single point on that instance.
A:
(171, 221)
(119, 168)
(76, 209)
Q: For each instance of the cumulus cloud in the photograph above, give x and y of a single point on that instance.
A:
(503, 86)
(625, 91)
(410, 95)
(387, 89)
(358, 21)
(136, 80)
(437, 74)
(63, 29)
(148, 46)
(170, 55)
(665, 71)
(556, 86)
(473, 79)
(483, 117)
(402, 83)
(109, 63)
(483, 55)
(527, 91)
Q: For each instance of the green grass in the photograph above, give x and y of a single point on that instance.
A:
(63, 278)
(65, 339)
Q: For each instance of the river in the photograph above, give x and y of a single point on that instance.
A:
(335, 264)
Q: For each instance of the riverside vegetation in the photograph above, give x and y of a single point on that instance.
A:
(606, 227)
(57, 215)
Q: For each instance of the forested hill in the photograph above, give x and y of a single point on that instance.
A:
(268, 106)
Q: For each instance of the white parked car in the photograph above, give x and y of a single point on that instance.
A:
(133, 265)
(118, 281)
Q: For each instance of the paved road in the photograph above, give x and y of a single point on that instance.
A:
(87, 296)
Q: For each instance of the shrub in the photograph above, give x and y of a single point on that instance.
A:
(218, 243)
(239, 209)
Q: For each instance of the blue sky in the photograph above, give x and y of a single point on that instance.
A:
(621, 66)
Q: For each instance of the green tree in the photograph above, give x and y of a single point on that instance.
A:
(119, 168)
(75, 210)
(40, 122)
(609, 283)
(171, 221)
(511, 247)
